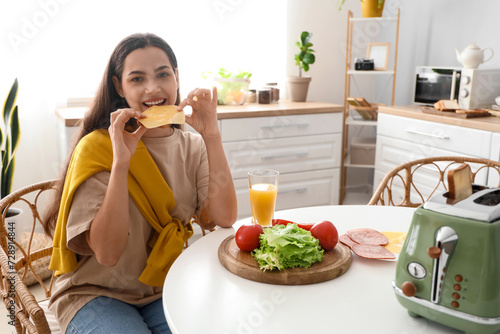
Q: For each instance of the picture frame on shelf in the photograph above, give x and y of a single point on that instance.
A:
(379, 52)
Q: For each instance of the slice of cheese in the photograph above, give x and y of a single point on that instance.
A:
(459, 183)
(162, 115)
(396, 240)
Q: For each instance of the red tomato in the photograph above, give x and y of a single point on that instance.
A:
(306, 227)
(326, 233)
(247, 237)
(281, 222)
(286, 222)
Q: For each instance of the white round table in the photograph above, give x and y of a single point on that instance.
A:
(201, 296)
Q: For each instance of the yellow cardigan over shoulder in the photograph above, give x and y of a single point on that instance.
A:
(147, 188)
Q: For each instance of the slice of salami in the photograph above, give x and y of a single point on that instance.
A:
(372, 251)
(367, 236)
(344, 238)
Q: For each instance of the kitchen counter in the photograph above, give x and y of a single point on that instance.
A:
(71, 116)
(480, 123)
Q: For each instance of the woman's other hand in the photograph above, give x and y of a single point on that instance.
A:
(204, 116)
(124, 142)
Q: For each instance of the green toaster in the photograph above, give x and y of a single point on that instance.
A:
(448, 270)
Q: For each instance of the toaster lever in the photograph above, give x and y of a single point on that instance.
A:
(446, 240)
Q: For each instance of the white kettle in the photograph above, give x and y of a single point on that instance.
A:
(472, 56)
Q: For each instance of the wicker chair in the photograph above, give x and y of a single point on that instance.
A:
(22, 264)
(417, 181)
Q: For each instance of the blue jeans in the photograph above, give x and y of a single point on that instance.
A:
(107, 315)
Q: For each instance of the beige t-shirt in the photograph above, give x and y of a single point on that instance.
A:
(182, 160)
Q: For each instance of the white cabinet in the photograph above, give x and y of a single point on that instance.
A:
(305, 149)
(402, 139)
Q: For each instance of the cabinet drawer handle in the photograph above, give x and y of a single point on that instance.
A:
(294, 191)
(281, 156)
(270, 127)
(427, 134)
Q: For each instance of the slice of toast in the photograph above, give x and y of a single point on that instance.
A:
(446, 105)
(459, 183)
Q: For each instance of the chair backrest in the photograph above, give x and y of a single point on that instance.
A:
(415, 182)
(22, 261)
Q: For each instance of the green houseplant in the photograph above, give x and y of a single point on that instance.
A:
(10, 134)
(305, 57)
(298, 86)
(232, 87)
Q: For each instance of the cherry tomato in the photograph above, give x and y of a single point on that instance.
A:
(281, 222)
(286, 222)
(326, 233)
(247, 237)
(306, 227)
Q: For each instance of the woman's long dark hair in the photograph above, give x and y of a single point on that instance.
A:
(104, 103)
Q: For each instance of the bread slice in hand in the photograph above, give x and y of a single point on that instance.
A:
(459, 183)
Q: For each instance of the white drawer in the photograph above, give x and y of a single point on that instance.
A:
(296, 190)
(436, 135)
(264, 128)
(285, 155)
(393, 152)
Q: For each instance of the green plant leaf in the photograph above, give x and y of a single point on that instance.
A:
(10, 100)
(8, 176)
(9, 139)
(309, 59)
(15, 131)
(305, 37)
(2, 178)
(6, 181)
(305, 66)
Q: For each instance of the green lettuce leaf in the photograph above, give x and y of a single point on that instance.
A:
(287, 246)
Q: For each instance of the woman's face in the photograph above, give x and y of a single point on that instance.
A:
(148, 79)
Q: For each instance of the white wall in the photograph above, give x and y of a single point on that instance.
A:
(59, 48)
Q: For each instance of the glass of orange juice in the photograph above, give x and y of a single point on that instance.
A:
(263, 188)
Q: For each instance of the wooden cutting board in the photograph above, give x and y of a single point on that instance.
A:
(434, 111)
(335, 262)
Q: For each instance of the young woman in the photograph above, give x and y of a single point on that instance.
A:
(123, 210)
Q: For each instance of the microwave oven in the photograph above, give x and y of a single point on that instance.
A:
(472, 88)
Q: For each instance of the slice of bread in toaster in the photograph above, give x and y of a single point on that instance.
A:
(459, 183)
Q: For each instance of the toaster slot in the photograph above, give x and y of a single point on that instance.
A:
(446, 241)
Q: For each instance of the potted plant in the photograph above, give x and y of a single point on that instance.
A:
(369, 8)
(232, 87)
(298, 86)
(10, 134)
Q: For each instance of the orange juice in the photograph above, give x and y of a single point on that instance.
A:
(262, 201)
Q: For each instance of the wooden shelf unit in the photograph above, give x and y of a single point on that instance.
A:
(349, 73)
